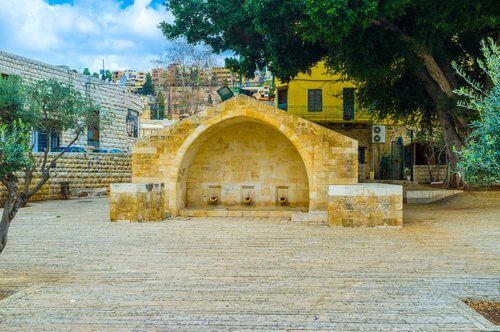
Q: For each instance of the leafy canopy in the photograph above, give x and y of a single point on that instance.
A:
(12, 101)
(55, 106)
(372, 42)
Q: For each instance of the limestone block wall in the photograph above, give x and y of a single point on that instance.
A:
(421, 173)
(113, 99)
(365, 205)
(247, 160)
(82, 171)
(167, 155)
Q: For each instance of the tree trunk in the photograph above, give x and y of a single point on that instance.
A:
(4, 227)
(452, 136)
(439, 82)
(452, 141)
(10, 209)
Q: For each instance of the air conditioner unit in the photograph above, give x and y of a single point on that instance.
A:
(378, 134)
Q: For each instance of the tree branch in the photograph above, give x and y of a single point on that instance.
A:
(28, 173)
(53, 161)
(432, 66)
(46, 172)
(3, 180)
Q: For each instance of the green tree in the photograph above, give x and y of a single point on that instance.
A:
(148, 88)
(47, 106)
(480, 159)
(398, 51)
(107, 75)
(96, 75)
(86, 71)
(161, 105)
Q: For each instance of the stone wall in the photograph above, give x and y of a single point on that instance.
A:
(365, 205)
(113, 99)
(136, 202)
(421, 173)
(83, 172)
(247, 160)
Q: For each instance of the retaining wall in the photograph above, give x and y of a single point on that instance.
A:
(83, 172)
(421, 173)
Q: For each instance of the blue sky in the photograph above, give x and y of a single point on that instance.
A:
(81, 33)
(124, 3)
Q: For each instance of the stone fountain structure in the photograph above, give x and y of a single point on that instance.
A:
(245, 158)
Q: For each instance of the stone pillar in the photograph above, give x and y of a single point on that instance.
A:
(137, 202)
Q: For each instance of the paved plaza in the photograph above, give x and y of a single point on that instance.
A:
(68, 268)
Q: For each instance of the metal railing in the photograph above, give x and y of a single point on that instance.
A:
(327, 114)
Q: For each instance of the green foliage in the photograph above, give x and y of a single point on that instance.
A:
(161, 105)
(14, 133)
(385, 166)
(148, 88)
(14, 148)
(12, 100)
(46, 105)
(86, 71)
(480, 159)
(372, 42)
(96, 75)
(58, 107)
(107, 75)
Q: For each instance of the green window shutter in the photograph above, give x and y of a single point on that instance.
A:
(348, 104)
(314, 100)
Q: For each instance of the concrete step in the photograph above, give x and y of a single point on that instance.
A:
(235, 213)
(428, 196)
(316, 217)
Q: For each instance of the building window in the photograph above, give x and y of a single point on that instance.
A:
(93, 132)
(315, 100)
(361, 156)
(348, 104)
(132, 124)
(283, 99)
(41, 140)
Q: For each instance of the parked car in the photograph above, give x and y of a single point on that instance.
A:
(98, 150)
(115, 151)
(70, 149)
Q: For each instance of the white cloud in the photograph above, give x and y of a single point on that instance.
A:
(82, 34)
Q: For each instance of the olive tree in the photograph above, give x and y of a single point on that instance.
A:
(47, 106)
(479, 160)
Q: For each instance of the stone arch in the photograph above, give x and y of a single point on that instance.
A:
(329, 157)
(177, 190)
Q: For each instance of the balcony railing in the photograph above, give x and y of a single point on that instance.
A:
(327, 114)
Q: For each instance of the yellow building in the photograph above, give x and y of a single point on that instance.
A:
(320, 97)
(329, 100)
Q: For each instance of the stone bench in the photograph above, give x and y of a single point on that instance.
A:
(136, 202)
(365, 205)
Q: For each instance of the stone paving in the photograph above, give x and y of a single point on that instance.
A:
(71, 269)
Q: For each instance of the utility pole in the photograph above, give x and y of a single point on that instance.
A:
(412, 155)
